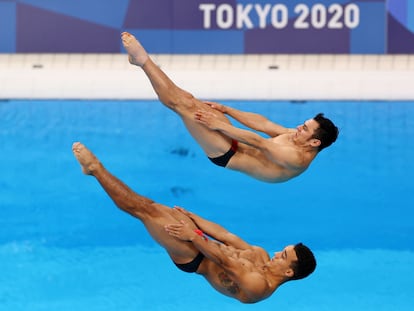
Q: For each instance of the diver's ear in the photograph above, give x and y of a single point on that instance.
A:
(289, 273)
(315, 142)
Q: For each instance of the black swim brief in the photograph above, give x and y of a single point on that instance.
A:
(225, 158)
(191, 266)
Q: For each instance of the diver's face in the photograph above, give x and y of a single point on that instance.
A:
(305, 132)
(283, 260)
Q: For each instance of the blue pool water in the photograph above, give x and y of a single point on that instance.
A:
(64, 245)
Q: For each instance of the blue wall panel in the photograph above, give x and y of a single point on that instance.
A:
(209, 26)
(7, 27)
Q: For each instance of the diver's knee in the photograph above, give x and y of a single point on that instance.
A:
(154, 209)
(183, 102)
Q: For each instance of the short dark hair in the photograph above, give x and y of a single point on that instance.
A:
(327, 132)
(305, 264)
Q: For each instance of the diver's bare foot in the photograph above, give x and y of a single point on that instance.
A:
(136, 52)
(86, 158)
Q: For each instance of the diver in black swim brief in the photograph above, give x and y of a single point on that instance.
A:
(191, 266)
(221, 257)
(225, 158)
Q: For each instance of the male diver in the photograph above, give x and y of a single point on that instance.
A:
(286, 154)
(232, 266)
